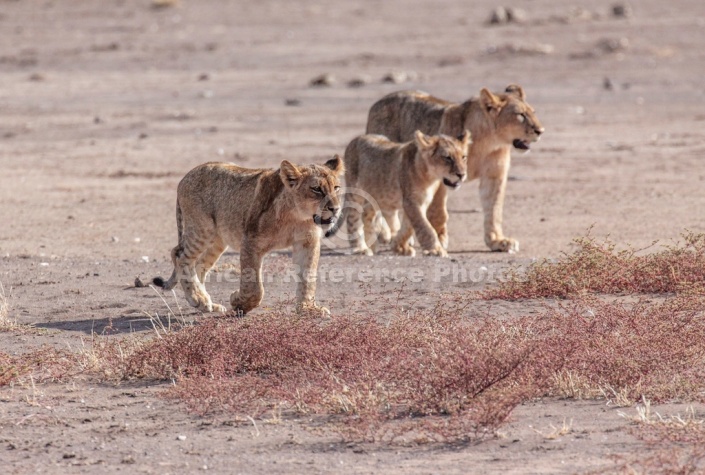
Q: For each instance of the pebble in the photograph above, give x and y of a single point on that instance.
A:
(359, 81)
(324, 80)
(145, 259)
(612, 45)
(621, 10)
(504, 15)
(398, 77)
(180, 437)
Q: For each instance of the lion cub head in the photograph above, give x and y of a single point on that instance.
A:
(514, 119)
(313, 190)
(446, 156)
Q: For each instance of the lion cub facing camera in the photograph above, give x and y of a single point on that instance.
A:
(254, 211)
(400, 177)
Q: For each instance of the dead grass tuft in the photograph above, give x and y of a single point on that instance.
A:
(6, 323)
(42, 365)
(676, 443)
(598, 267)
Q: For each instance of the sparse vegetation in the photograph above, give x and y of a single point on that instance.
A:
(42, 365)
(6, 323)
(598, 267)
(415, 367)
(434, 373)
(676, 443)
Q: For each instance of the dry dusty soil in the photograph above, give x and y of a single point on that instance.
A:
(105, 105)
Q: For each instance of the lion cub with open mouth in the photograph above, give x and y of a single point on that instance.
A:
(400, 178)
(254, 211)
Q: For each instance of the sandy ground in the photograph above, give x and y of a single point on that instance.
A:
(105, 105)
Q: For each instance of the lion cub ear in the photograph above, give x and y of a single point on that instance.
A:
(516, 90)
(289, 173)
(489, 101)
(423, 140)
(465, 137)
(336, 164)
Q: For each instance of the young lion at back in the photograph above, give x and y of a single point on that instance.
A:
(254, 211)
(400, 178)
(497, 122)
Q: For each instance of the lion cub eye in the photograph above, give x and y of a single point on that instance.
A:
(521, 118)
(447, 158)
(465, 158)
(337, 188)
(317, 190)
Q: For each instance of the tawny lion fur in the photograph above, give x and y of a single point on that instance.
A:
(254, 211)
(400, 178)
(496, 121)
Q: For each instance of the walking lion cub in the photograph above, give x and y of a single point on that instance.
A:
(497, 122)
(400, 177)
(255, 211)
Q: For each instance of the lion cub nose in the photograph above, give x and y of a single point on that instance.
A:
(332, 209)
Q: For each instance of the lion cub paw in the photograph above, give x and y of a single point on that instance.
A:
(219, 308)
(362, 251)
(241, 305)
(404, 250)
(310, 308)
(437, 251)
(505, 245)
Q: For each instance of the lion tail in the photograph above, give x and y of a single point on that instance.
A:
(171, 283)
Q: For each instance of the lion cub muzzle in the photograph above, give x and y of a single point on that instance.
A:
(454, 185)
(329, 214)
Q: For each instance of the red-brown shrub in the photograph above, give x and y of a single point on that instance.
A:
(43, 364)
(651, 349)
(674, 448)
(433, 364)
(436, 371)
(599, 267)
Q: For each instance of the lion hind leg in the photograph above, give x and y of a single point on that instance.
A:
(356, 216)
(206, 262)
(195, 243)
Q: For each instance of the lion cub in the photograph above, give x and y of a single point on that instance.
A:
(400, 177)
(498, 123)
(255, 211)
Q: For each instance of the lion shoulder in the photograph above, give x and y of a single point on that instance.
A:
(398, 115)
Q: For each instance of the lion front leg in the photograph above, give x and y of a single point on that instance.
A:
(251, 289)
(437, 215)
(401, 243)
(492, 198)
(416, 216)
(306, 251)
